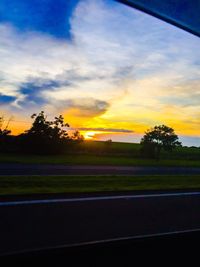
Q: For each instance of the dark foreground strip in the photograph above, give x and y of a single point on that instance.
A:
(134, 243)
(83, 199)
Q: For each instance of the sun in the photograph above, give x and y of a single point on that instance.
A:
(89, 135)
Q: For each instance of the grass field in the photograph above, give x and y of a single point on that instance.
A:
(66, 184)
(115, 153)
(96, 160)
(133, 150)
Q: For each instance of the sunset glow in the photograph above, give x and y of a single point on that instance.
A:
(88, 135)
(112, 71)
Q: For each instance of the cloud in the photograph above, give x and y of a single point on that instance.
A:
(32, 92)
(102, 56)
(110, 130)
(34, 54)
(85, 107)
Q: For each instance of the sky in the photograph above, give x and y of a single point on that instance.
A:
(112, 71)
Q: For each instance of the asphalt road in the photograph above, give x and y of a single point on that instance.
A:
(27, 225)
(45, 169)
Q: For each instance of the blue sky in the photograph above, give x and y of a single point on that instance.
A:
(101, 64)
(46, 16)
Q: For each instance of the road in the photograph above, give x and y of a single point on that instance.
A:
(45, 169)
(27, 225)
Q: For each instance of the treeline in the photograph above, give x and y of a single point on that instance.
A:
(44, 137)
(52, 137)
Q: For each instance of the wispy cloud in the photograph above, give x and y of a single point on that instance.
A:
(109, 130)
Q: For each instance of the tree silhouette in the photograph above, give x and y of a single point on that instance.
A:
(158, 138)
(45, 136)
(52, 130)
(4, 130)
(76, 136)
(4, 134)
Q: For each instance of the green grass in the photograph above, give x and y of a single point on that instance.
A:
(96, 160)
(133, 149)
(116, 153)
(61, 184)
(114, 146)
